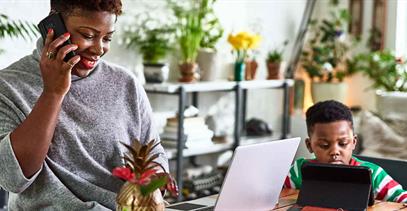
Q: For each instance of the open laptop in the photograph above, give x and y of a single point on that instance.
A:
(254, 179)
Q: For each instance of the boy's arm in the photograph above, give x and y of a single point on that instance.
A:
(294, 178)
(386, 188)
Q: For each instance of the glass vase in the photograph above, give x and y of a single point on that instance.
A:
(239, 71)
(130, 199)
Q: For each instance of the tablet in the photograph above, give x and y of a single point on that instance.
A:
(336, 186)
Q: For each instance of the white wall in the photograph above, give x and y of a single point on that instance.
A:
(30, 10)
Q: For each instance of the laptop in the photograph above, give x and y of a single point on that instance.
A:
(254, 179)
(336, 186)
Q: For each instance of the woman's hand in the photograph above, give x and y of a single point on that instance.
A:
(56, 73)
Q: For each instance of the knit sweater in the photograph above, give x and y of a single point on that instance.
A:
(384, 187)
(101, 110)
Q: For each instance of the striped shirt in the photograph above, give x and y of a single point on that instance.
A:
(385, 188)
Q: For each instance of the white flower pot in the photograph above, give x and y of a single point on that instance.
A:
(322, 91)
(208, 64)
(391, 104)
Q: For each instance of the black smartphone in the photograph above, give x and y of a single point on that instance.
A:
(55, 22)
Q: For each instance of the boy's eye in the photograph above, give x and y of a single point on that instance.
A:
(324, 146)
(343, 144)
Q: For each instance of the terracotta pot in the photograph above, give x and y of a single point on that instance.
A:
(251, 69)
(130, 198)
(188, 72)
(274, 72)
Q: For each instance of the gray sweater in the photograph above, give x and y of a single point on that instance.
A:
(99, 111)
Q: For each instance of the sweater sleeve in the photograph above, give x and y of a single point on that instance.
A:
(386, 188)
(12, 178)
(148, 130)
(294, 178)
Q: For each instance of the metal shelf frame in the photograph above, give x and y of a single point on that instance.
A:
(240, 88)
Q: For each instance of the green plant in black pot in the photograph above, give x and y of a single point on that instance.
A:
(154, 39)
(16, 28)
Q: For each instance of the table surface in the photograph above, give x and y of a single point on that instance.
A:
(288, 197)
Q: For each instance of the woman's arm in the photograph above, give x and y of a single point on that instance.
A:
(31, 139)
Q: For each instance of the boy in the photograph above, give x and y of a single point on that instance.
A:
(331, 139)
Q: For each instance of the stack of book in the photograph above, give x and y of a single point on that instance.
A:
(196, 133)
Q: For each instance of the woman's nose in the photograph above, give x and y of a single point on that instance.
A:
(97, 48)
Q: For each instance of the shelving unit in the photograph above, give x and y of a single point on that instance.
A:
(240, 88)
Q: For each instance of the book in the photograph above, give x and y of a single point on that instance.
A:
(187, 129)
(202, 134)
(191, 121)
(198, 143)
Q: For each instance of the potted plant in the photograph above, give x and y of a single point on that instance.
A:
(325, 55)
(242, 43)
(154, 39)
(190, 16)
(207, 57)
(143, 177)
(16, 28)
(273, 62)
(389, 76)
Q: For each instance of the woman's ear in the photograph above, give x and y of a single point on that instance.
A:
(308, 144)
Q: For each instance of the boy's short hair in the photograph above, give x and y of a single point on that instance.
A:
(327, 112)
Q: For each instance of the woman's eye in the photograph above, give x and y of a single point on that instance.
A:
(107, 39)
(87, 36)
(343, 144)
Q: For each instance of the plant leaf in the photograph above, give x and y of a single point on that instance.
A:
(153, 185)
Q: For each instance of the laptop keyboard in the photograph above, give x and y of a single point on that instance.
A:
(209, 208)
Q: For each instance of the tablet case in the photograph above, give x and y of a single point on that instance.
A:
(335, 186)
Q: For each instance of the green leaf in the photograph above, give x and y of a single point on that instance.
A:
(153, 185)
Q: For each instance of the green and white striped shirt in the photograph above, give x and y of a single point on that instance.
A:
(384, 187)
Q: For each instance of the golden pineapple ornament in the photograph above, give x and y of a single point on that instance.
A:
(141, 190)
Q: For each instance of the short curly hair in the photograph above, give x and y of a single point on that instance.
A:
(68, 6)
(327, 112)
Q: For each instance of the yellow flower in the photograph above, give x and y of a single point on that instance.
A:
(254, 41)
(242, 42)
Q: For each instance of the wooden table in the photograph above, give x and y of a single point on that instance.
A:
(288, 197)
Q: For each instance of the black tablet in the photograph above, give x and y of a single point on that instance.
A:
(336, 186)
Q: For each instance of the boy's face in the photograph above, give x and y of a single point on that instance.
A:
(332, 142)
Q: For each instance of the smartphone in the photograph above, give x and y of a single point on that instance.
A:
(55, 22)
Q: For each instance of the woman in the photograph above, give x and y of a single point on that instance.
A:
(61, 123)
